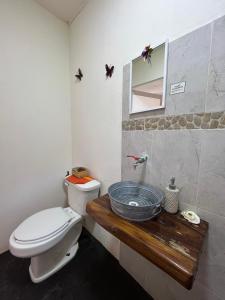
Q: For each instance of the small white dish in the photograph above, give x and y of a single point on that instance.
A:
(191, 216)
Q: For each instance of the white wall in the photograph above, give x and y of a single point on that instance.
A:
(35, 139)
(115, 32)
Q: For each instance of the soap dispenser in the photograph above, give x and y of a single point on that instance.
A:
(171, 197)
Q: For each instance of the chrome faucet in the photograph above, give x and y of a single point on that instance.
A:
(138, 160)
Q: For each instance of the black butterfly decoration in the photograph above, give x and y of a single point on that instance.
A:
(109, 71)
(146, 53)
(79, 75)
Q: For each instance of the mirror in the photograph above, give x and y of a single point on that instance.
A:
(148, 81)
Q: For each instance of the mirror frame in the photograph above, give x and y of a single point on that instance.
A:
(166, 42)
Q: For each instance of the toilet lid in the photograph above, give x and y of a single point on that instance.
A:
(42, 224)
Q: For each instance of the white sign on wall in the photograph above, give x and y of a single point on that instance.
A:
(177, 88)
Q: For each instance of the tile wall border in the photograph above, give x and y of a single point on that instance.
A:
(213, 120)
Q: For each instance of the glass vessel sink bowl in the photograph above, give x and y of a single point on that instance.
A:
(135, 202)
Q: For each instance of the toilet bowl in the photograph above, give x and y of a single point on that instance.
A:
(50, 237)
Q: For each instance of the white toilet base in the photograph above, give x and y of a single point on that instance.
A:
(47, 263)
(70, 255)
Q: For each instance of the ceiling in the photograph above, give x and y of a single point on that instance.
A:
(66, 10)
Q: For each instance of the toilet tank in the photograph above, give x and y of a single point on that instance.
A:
(80, 194)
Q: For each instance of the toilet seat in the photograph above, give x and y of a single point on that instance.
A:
(26, 242)
(42, 225)
(36, 241)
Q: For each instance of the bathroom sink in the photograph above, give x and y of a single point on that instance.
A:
(135, 202)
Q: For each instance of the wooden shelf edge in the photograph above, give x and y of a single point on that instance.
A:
(183, 268)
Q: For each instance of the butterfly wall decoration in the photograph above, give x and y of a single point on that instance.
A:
(109, 70)
(147, 53)
(79, 74)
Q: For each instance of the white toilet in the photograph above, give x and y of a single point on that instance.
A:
(50, 237)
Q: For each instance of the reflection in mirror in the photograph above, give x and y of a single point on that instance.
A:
(148, 81)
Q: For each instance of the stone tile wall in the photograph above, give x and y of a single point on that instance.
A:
(185, 140)
(186, 121)
(197, 58)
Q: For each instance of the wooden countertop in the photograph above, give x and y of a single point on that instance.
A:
(168, 241)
